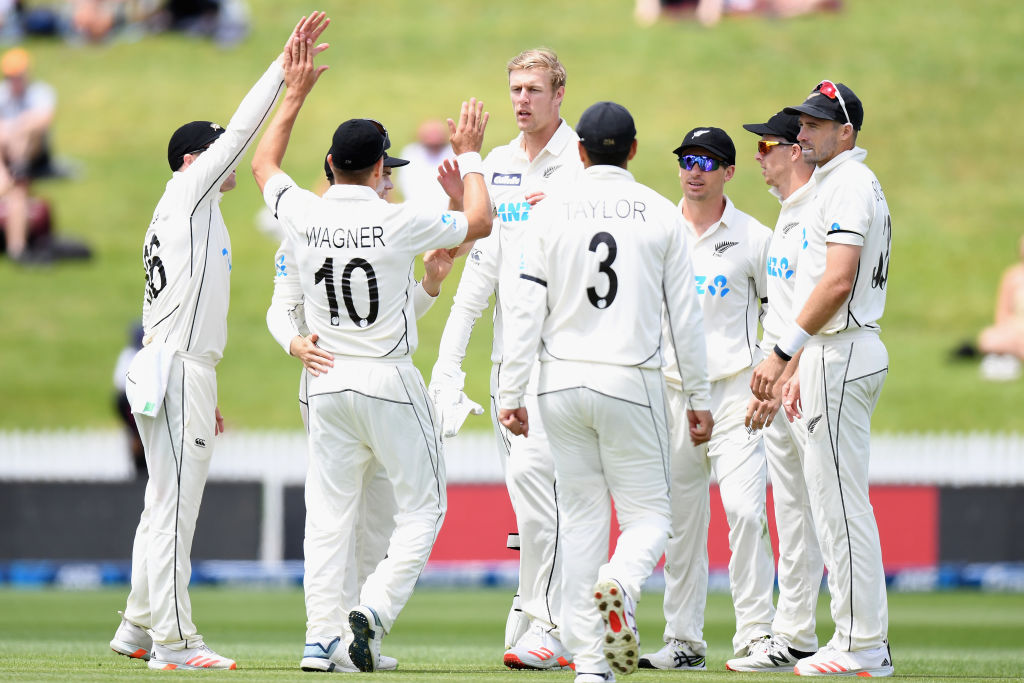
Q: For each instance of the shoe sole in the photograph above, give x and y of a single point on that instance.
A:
(513, 661)
(360, 651)
(129, 650)
(620, 643)
(158, 665)
(758, 670)
(880, 672)
(646, 664)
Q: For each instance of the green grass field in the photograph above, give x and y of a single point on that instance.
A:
(457, 635)
(941, 84)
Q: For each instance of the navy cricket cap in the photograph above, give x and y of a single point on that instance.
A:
(192, 137)
(713, 140)
(824, 103)
(358, 144)
(606, 127)
(389, 162)
(781, 125)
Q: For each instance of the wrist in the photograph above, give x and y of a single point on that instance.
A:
(470, 162)
(431, 288)
(791, 342)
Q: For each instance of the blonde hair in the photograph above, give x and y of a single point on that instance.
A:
(539, 58)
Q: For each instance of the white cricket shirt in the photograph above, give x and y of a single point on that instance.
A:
(493, 263)
(187, 251)
(849, 207)
(730, 281)
(601, 261)
(783, 258)
(354, 254)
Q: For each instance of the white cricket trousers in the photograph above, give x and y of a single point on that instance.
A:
(738, 461)
(373, 527)
(800, 563)
(841, 378)
(609, 437)
(530, 479)
(178, 442)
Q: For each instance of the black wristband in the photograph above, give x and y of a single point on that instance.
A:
(782, 354)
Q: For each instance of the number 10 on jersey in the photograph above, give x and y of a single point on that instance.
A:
(326, 275)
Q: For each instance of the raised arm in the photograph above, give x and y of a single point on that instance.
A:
(467, 138)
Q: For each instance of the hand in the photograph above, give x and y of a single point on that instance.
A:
(761, 413)
(300, 74)
(468, 135)
(452, 407)
(701, 424)
(515, 421)
(218, 419)
(762, 382)
(533, 198)
(437, 263)
(451, 181)
(791, 398)
(313, 358)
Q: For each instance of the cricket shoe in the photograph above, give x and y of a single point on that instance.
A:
(364, 651)
(677, 655)
(131, 640)
(324, 654)
(621, 642)
(538, 649)
(595, 678)
(767, 655)
(201, 657)
(828, 661)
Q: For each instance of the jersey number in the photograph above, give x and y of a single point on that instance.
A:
(326, 274)
(605, 267)
(156, 276)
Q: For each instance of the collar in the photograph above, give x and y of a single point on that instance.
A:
(797, 195)
(603, 172)
(728, 218)
(855, 154)
(563, 136)
(361, 192)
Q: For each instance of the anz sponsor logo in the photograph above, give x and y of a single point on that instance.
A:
(507, 179)
(780, 268)
(511, 212)
(716, 286)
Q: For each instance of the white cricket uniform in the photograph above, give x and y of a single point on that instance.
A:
(354, 254)
(492, 267)
(842, 371)
(604, 257)
(800, 563)
(187, 257)
(729, 279)
(376, 521)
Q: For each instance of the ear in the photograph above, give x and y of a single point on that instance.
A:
(187, 160)
(559, 95)
(730, 171)
(632, 151)
(583, 154)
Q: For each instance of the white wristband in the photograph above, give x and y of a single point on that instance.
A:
(470, 162)
(793, 340)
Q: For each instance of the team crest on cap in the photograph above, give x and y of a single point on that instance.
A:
(698, 133)
(215, 126)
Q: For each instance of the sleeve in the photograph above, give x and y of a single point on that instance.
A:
(685, 322)
(43, 98)
(526, 311)
(207, 174)
(760, 269)
(421, 301)
(479, 281)
(432, 229)
(284, 198)
(848, 210)
(285, 316)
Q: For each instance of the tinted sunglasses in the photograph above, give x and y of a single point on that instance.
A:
(705, 163)
(765, 146)
(383, 131)
(829, 90)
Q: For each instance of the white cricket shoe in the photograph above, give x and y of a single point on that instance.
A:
(621, 642)
(200, 657)
(324, 654)
(538, 649)
(767, 655)
(364, 651)
(594, 678)
(676, 654)
(831, 662)
(131, 640)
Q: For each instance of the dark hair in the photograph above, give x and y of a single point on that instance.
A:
(608, 158)
(356, 177)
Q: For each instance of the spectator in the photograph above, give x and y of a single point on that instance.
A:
(26, 112)
(418, 180)
(1003, 342)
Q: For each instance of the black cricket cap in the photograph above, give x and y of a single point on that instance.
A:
(358, 144)
(606, 127)
(781, 125)
(823, 103)
(389, 162)
(191, 137)
(713, 140)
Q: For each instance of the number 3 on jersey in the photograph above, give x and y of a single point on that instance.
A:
(605, 266)
(326, 275)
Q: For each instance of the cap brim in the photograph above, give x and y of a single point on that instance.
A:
(393, 162)
(759, 129)
(810, 110)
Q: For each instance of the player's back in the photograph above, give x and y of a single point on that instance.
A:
(602, 249)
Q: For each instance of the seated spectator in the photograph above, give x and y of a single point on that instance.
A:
(26, 113)
(418, 181)
(1003, 342)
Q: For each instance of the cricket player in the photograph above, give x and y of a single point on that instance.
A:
(172, 384)
(287, 324)
(838, 299)
(800, 564)
(729, 252)
(354, 255)
(543, 156)
(605, 256)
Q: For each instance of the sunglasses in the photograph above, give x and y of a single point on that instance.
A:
(383, 131)
(829, 90)
(705, 163)
(765, 146)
